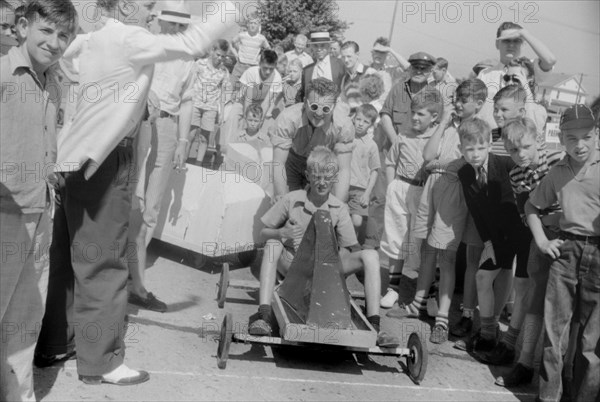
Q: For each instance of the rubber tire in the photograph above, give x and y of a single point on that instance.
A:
(416, 361)
(225, 341)
(223, 285)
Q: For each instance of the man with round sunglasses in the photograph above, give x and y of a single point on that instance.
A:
(302, 127)
(509, 41)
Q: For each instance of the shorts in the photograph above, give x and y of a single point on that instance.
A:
(204, 119)
(354, 194)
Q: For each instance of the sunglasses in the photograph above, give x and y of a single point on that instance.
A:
(325, 109)
(511, 78)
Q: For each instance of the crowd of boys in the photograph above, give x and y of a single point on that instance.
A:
(403, 153)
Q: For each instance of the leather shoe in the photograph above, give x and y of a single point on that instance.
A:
(501, 355)
(385, 340)
(519, 375)
(43, 361)
(141, 377)
(149, 303)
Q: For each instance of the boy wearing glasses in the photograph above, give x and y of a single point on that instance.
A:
(285, 225)
(302, 127)
(509, 39)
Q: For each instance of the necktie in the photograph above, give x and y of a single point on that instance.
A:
(320, 70)
(481, 177)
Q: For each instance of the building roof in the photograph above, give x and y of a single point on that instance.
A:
(554, 80)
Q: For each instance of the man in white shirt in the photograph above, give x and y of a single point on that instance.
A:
(298, 51)
(509, 40)
(168, 138)
(116, 66)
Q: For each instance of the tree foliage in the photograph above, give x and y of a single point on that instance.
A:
(281, 20)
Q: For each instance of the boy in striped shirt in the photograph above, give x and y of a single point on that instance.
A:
(247, 47)
(532, 163)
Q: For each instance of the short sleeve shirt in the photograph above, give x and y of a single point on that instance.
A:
(297, 207)
(579, 196)
(397, 106)
(259, 89)
(365, 159)
(250, 46)
(173, 84)
(406, 154)
(294, 132)
(208, 87)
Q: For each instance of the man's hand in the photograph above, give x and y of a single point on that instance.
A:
(181, 154)
(487, 253)
(291, 230)
(551, 247)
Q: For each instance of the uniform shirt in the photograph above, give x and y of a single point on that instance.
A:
(258, 89)
(28, 130)
(397, 106)
(293, 131)
(304, 57)
(406, 154)
(492, 77)
(116, 65)
(578, 196)
(173, 84)
(297, 207)
(250, 47)
(209, 83)
(365, 159)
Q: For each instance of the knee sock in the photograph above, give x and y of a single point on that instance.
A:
(265, 310)
(488, 327)
(417, 306)
(510, 337)
(531, 334)
(394, 281)
(441, 319)
(374, 320)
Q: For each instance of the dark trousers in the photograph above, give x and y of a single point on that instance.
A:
(295, 170)
(87, 291)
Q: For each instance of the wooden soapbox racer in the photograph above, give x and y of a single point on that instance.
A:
(313, 307)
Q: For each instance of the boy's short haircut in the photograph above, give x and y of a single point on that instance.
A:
(350, 44)
(19, 12)
(301, 37)
(516, 129)
(371, 86)
(268, 56)
(322, 160)
(430, 99)
(221, 44)
(472, 88)
(595, 108)
(61, 13)
(441, 62)
(515, 92)
(254, 109)
(368, 111)
(296, 62)
(323, 87)
(505, 26)
(475, 130)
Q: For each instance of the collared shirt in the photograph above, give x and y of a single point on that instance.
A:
(115, 72)
(259, 89)
(365, 159)
(304, 57)
(447, 87)
(297, 207)
(579, 196)
(250, 47)
(406, 154)
(397, 106)
(173, 84)
(492, 77)
(360, 71)
(209, 83)
(323, 69)
(28, 129)
(293, 131)
(524, 179)
(261, 138)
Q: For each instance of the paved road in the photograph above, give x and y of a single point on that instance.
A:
(178, 348)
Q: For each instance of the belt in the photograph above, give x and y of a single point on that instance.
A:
(165, 115)
(126, 142)
(588, 239)
(418, 183)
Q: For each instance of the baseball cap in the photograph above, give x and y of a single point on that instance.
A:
(422, 58)
(577, 116)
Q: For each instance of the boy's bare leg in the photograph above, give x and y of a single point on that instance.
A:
(503, 287)
(203, 139)
(487, 302)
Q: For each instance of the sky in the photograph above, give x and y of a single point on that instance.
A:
(464, 32)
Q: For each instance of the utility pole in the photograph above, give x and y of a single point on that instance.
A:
(579, 87)
(393, 21)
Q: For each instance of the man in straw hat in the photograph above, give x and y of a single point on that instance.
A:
(95, 152)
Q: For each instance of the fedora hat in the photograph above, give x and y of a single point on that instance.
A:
(320, 37)
(175, 11)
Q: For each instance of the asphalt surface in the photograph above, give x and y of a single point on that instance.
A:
(179, 348)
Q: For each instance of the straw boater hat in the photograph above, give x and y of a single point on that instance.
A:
(175, 11)
(319, 37)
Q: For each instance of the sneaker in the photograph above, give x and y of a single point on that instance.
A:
(463, 328)
(260, 327)
(390, 298)
(403, 311)
(439, 334)
(501, 355)
(519, 375)
(385, 340)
